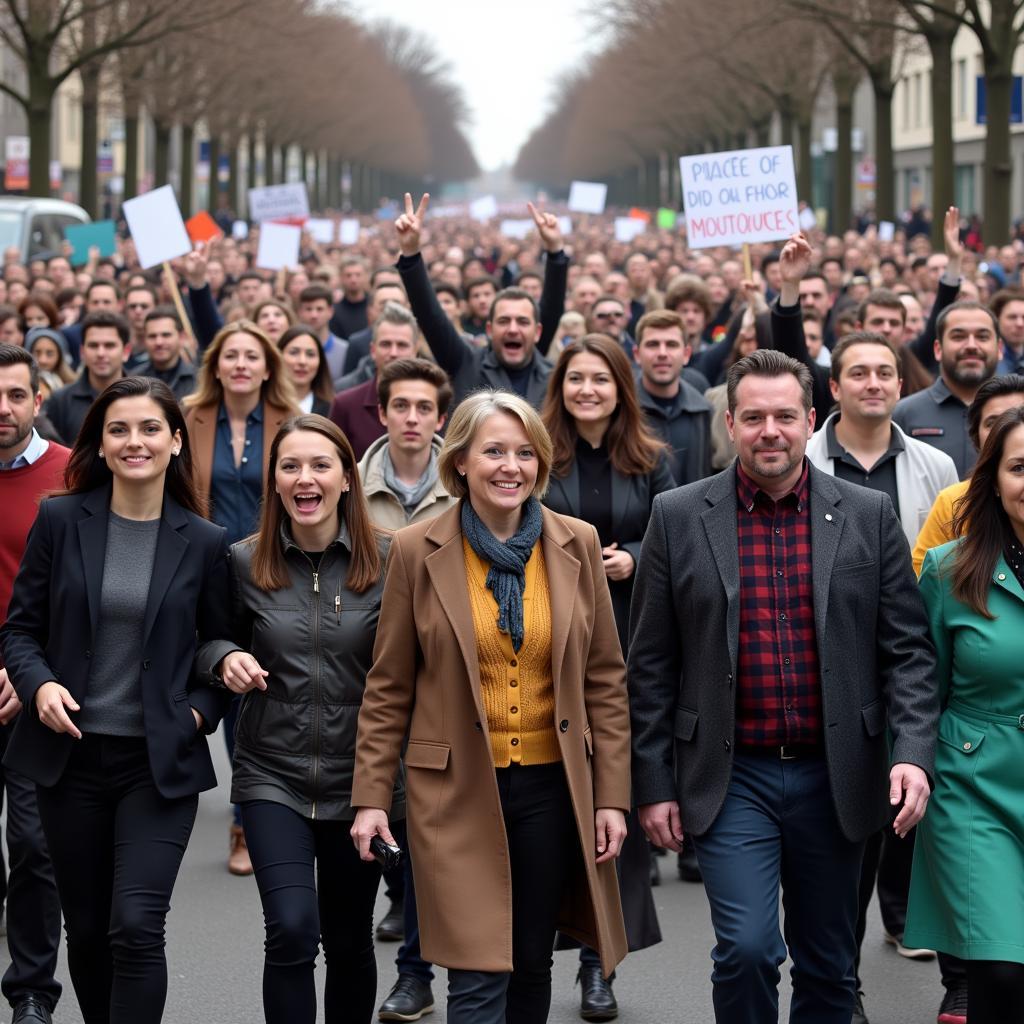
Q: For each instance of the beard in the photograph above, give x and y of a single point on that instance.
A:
(20, 433)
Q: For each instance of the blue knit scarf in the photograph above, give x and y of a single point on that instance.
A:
(506, 577)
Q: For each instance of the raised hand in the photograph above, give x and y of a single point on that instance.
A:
(795, 258)
(951, 234)
(195, 266)
(410, 224)
(547, 228)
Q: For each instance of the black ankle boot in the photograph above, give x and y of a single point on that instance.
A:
(597, 1001)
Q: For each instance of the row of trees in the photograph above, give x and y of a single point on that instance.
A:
(686, 76)
(269, 76)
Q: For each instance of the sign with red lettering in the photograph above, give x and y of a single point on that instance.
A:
(746, 195)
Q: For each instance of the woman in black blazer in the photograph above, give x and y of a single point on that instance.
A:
(303, 355)
(120, 574)
(607, 468)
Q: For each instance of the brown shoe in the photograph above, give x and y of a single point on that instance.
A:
(238, 858)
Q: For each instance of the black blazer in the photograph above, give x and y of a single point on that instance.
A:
(52, 620)
(876, 655)
(632, 498)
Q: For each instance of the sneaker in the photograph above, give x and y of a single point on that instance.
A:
(859, 1016)
(953, 1008)
(910, 952)
(238, 857)
(409, 999)
(392, 924)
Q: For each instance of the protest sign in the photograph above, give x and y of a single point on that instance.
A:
(321, 230)
(239, 230)
(807, 219)
(202, 228)
(484, 208)
(587, 196)
(666, 218)
(740, 196)
(274, 202)
(516, 228)
(84, 236)
(635, 213)
(565, 225)
(348, 233)
(156, 227)
(627, 228)
(16, 149)
(886, 231)
(279, 246)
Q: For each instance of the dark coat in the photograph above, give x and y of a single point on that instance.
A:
(877, 661)
(51, 628)
(355, 411)
(66, 408)
(685, 428)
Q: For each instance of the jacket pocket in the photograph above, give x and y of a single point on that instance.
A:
(874, 717)
(964, 737)
(424, 754)
(686, 724)
(588, 740)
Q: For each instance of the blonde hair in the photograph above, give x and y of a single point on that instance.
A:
(276, 390)
(466, 422)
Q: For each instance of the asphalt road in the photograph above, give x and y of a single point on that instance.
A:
(215, 952)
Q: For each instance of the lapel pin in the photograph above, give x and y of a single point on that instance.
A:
(828, 517)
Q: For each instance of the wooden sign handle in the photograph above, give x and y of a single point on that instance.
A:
(179, 305)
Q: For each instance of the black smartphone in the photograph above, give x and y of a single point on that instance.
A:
(386, 855)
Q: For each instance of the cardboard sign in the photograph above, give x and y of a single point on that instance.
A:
(156, 227)
(744, 195)
(565, 225)
(279, 246)
(886, 231)
(587, 196)
(321, 230)
(203, 228)
(276, 201)
(516, 228)
(627, 228)
(84, 236)
(239, 230)
(348, 232)
(808, 221)
(484, 208)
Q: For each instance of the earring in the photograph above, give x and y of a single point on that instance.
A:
(175, 451)
(100, 453)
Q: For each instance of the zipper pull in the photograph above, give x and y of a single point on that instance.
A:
(337, 606)
(316, 583)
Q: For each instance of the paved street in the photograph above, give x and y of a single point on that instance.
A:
(215, 951)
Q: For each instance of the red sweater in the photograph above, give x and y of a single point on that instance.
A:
(20, 492)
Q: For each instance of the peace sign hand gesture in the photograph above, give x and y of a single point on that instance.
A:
(547, 228)
(410, 224)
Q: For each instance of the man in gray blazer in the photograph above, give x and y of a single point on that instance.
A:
(776, 633)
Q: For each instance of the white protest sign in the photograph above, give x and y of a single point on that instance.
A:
(276, 201)
(516, 228)
(279, 246)
(587, 196)
(745, 195)
(484, 208)
(807, 219)
(239, 230)
(627, 228)
(157, 229)
(320, 230)
(886, 231)
(348, 231)
(565, 225)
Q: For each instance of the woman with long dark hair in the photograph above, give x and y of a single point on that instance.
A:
(965, 895)
(302, 353)
(121, 580)
(307, 592)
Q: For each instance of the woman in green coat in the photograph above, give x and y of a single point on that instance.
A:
(967, 888)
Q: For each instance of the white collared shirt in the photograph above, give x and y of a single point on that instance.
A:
(36, 449)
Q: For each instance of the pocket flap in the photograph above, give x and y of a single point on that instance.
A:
(424, 754)
(183, 695)
(686, 724)
(588, 739)
(961, 735)
(874, 717)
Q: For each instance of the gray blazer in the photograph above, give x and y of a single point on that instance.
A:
(877, 661)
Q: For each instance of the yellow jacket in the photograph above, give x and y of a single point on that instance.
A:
(938, 527)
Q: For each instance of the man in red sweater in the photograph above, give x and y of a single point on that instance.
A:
(29, 469)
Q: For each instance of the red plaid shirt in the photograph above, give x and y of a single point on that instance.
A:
(778, 689)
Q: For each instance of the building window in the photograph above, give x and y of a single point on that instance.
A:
(963, 188)
(917, 101)
(960, 84)
(905, 89)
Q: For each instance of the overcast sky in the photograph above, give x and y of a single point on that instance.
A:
(505, 56)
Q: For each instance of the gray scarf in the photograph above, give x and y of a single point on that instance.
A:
(506, 577)
(410, 496)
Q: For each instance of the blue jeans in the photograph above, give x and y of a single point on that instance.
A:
(409, 961)
(778, 827)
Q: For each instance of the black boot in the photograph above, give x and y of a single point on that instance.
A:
(597, 1001)
(392, 924)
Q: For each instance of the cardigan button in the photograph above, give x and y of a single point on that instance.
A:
(478, 727)
(564, 725)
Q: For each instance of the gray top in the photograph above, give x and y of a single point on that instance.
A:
(113, 702)
(939, 418)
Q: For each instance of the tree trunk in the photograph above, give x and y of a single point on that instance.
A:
(804, 181)
(88, 183)
(941, 45)
(214, 181)
(842, 196)
(131, 148)
(162, 157)
(187, 176)
(998, 57)
(283, 163)
(885, 169)
(786, 119)
(250, 167)
(233, 176)
(39, 115)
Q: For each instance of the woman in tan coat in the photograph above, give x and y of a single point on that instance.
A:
(497, 651)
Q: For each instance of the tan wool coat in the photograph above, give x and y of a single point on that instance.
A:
(426, 678)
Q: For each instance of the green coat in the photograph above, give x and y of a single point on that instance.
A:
(967, 888)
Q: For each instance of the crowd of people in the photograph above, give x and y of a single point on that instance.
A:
(506, 567)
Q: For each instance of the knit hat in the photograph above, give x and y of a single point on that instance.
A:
(38, 333)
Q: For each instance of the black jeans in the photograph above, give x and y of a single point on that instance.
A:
(995, 992)
(544, 848)
(301, 909)
(33, 909)
(116, 846)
